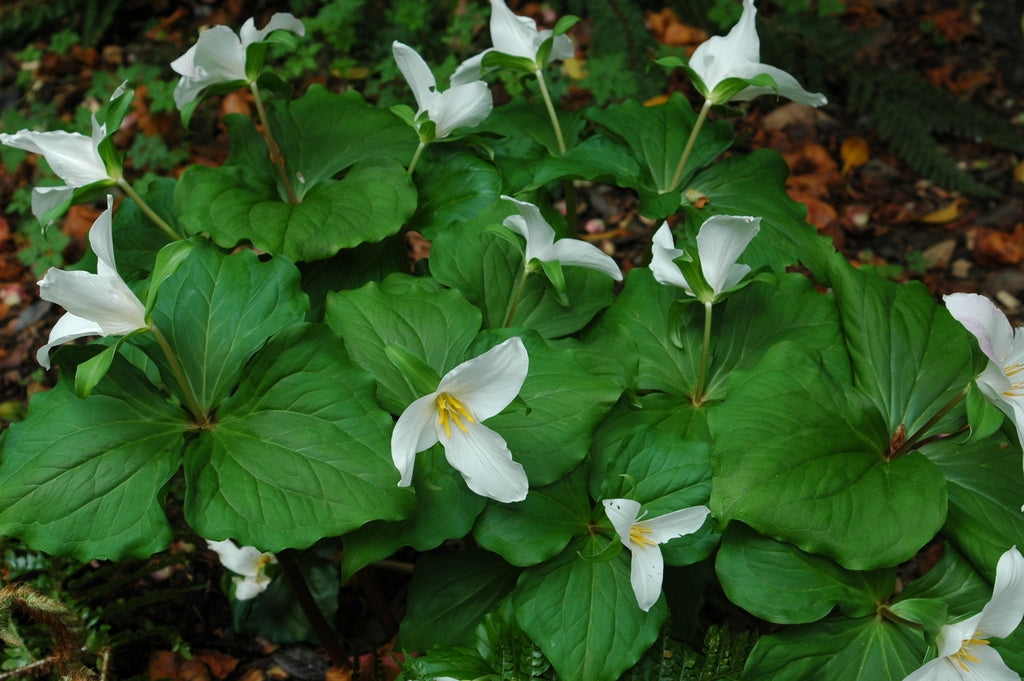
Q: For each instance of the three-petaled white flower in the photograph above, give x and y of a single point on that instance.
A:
(98, 304)
(541, 244)
(249, 565)
(470, 393)
(963, 650)
(1002, 381)
(738, 55)
(219, 55)
(74, 157)
(720, 242)
(464, 104)
(642, 537)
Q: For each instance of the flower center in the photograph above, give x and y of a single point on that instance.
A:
(449, 410)
(1016, 387)
(638, 536)
(962, 654)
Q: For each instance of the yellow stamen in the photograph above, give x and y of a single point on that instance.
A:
(450, 409)
(962, 654)
(638, 535)
(1016, 389)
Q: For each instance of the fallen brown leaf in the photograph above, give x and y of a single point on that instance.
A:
(947, 213)
(993, 247)
(165, 664)
(219, 663)
(854, 152)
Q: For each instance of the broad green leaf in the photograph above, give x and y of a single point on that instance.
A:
(657, 135)
(583, 613)
(596, 158)
(909, 355)
(450, 594)
(782, 584)
(299, 451)
(417, 314)
(754, 184)
(216, 311)
(351, 268)
(85, 478)
(864, 649)
(136, 238)
(519, 118)
(799, 455)
(539, 527)
(954, 582)
(455, 186)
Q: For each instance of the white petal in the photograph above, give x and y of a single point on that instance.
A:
(663, 253)
(469, 70)
(247, 588)
(68, 327)
(788, 86)
(1003, 613)
(416, 73)
(952, 636)
(101, 239)
(717, 58)
(484, 459)
(106, 300)
(413, 433)
(582, 254)
(935, 670)
(488, 383)
(532, 226)
(720, 242)
(511, 33)
(219, 56)
(245, 560)
(676, 524)
(185, 65)
(646, 571)
(561, 48)
(280, 21)
(461, 106)
(45, 198)
(985, 321)
(989, 667)
(71, 155)
(622, 513)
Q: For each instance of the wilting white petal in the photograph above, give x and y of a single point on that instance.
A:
(484, 459)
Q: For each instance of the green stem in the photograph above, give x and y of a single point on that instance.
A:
(275, 151)
(515, 301)
(698, 394)
(914, 439)
(149, 212)
(190, 399)
(701, 117)
(297, 583)
(551, 110)
(569, 190)
(416, 157)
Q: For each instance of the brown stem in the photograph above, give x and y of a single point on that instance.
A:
(328, 638)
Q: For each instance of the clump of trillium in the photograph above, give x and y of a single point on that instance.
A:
(707, 271)
(453, 414)
(249, 565)
(542, 251)
(728, 69)
(1002, 381)
(963, 647)
(464, 104)
(642, 536)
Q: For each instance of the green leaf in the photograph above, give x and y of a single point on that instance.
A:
(293, 458)
(520, 119)
(455, 186)
(137, 239)
(782, 584)
(657, 135)
(216, 311)
(450, 594)
(168, 260)
(435, 324)
(754, 184)
(597, 158)
(91, 371)
(727, 88)
(85, 478)
(583, 613)
(792, 431)
(539, 527)
(500, 60)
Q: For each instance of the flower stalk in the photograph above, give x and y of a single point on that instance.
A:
(201, 417)
(147, 210)
(297, 583)
(690, 141)
(698, 393)
(275, 151)
(911, 442)
(416, 157)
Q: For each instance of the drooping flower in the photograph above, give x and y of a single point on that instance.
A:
(219, 56)
(98, 304)
(720, 242)
(74, 157)
(541, 244)
(470, 393)
(642, 537)
(738, 55)
(1002, 381)
(464, 104)
(249, 565)
(963, 647)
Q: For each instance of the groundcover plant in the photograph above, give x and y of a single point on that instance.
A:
(788, 436)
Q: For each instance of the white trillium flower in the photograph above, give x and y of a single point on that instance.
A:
(219, 55)
(1002, 381)
(467, 395)
(720, 242)
(464, 104)
(517, 36)
(963, 650)
(738, 55)
(642, 537)
(541, 244)
(74, 157)
(248, 563)
(98, 304)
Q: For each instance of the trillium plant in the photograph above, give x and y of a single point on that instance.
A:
(745, 431)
